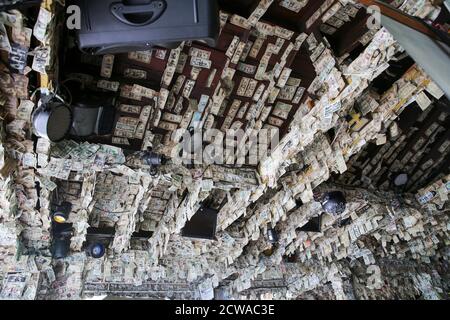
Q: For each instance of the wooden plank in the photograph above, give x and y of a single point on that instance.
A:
(401, 17)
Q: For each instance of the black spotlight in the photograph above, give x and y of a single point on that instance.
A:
(272, 236)
(334, 203)
(62, 234)
(154, 160)
(61, 248)
(62, 212)
(96, 250)
(314, 225)
(52, 121)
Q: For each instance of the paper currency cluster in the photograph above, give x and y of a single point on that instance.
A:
(262, 75)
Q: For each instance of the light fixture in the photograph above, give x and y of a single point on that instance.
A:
(52, 121)
(154, 160)
(62, 234)
(93, 114)
(272, 236)
(400, 179)
(62, 212)
(60, 248)
(334, 203)
(96, 250)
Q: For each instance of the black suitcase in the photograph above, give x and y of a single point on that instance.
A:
(116, 26)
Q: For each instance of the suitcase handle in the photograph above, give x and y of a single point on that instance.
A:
(154, 10)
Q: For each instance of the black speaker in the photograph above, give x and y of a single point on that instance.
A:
(116, 26)
(17, 4)
(314, 225)
(202, 225)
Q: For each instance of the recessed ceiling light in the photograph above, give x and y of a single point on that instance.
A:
(401, 179)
